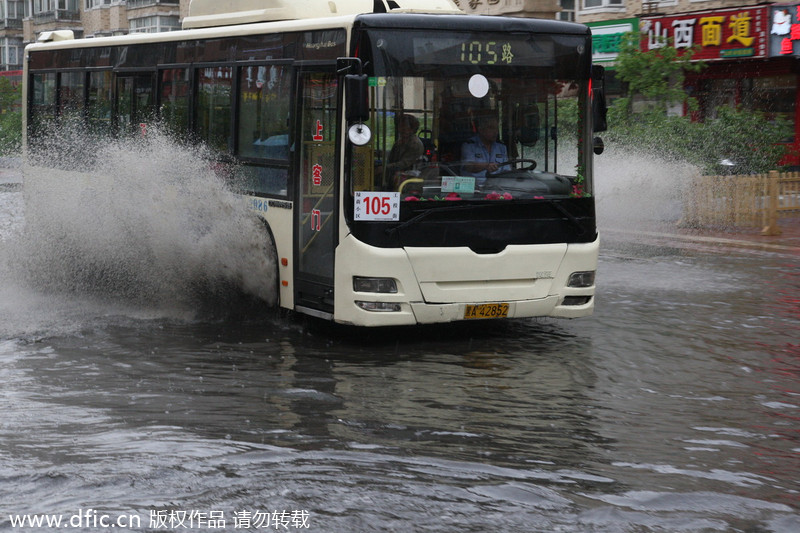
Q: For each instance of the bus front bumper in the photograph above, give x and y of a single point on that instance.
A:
(418, 286)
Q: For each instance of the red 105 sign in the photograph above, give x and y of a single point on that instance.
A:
(377, 206)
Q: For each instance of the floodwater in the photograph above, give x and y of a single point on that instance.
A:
(675, 408)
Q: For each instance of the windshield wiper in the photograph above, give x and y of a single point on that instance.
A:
(561, 209)
(424, 214)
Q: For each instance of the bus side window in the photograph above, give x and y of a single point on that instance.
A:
(175, 89)
(100, 102)
(71, 97)
(263, 139)
(43, 99)
(214, 102)
(264, 112)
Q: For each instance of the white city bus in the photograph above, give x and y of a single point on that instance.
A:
(452, 225)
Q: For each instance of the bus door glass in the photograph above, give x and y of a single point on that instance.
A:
(317, 206)
(135, 101)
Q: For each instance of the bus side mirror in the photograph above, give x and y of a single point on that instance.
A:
(357, 108)
(598, 146)
(599, 107)
(357, 100)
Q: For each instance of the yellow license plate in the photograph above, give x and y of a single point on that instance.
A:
(498, 310)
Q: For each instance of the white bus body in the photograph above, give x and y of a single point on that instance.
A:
(358, 241)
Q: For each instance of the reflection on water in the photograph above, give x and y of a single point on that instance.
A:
(204, 415)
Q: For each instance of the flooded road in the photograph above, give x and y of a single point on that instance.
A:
(675, 408)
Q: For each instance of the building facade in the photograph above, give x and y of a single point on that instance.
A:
(549, 9)
(21, 21)
(12, 12)
(750, 51)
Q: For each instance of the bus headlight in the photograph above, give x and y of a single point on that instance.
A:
(581, 279)
(382, 285)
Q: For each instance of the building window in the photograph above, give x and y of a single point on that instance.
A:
(12, 9)
(133, 4)
(47, 6)
(593, 4)
(567, 12)
(97, 3)
(155, 23)
(11, 50)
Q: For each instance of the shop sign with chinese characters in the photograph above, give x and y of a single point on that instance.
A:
(716, 34)
(607, 36)
(784, 30)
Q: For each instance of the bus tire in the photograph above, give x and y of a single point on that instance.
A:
(272, 283)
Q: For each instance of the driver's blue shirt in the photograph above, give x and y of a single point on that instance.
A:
(474, 151)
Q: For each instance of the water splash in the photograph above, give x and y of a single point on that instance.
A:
(639, 190)
(142, 221)
(146, 224)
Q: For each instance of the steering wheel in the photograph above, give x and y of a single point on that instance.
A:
(518, 164)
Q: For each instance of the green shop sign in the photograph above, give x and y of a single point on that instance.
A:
(606, 37)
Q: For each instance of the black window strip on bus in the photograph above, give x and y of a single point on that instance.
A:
(323, 45)
(268, 175)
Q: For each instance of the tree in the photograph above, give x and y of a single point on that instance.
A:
(658, 74)
(744, 136)
(10, 117)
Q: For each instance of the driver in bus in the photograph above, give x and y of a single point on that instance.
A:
(483, 153)
(405, 153)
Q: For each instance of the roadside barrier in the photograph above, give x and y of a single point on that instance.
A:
(750, 200)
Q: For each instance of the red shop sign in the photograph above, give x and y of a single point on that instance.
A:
(717, 34)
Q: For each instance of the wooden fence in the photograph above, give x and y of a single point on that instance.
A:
(753, 200)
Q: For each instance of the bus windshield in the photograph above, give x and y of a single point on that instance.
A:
(475, 116)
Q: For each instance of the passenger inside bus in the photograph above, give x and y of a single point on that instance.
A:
(483, 153)
(405, 153)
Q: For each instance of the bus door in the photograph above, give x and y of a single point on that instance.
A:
(317, 208)
(135, 101)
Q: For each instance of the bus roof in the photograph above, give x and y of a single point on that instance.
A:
(471, 22)
(63, 41)
(208, 13)
(393, 19)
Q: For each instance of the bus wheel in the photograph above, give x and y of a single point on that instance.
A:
(271, 281)
(258, 270)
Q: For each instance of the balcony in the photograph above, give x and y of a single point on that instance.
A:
(10, 24)
(45, 17)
